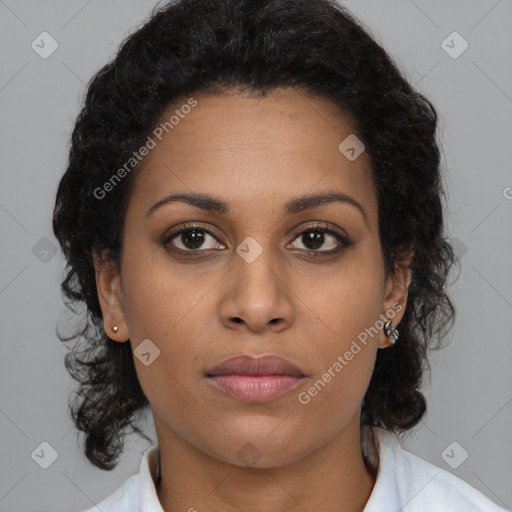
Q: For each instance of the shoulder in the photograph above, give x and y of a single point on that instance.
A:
(437, 487)
(138, 493)
(415, 485)
(124, 499)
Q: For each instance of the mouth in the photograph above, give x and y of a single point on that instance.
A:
(255, 379)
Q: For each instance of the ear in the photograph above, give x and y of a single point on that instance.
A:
(108, 287)
(395, 293)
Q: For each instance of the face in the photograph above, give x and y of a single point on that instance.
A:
(253, 271)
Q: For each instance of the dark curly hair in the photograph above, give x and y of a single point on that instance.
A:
(207, 46)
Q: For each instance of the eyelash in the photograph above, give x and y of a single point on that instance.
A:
(323, 227)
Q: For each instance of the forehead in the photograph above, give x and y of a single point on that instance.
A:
(253, 151)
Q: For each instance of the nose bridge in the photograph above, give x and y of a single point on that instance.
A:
(258, 294)
(255, 268)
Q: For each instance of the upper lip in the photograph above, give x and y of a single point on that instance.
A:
(255, 365)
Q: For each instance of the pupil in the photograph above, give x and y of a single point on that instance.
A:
(192, 238)
(316, 238)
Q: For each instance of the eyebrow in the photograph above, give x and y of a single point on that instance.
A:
(295, 205)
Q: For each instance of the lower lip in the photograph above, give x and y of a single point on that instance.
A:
(255, 388)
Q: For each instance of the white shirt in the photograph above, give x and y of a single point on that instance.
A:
(404, 483)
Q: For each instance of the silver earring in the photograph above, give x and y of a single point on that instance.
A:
(115, 328)
(391, 333)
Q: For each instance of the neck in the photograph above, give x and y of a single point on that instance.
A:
(332, 478)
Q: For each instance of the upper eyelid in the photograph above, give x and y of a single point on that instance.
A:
(188, 226)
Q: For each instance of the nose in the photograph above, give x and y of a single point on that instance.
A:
(257, 296)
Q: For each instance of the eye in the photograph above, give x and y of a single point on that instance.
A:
(313, 238)
(193, 238)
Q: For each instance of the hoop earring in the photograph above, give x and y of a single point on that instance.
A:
(115, 328)
(391, 333)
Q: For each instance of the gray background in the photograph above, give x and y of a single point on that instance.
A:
(470, 396)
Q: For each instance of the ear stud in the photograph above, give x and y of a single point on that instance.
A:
(391, 333)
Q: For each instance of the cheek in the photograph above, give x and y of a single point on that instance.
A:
(345, 310)
(343, 376)
(344, 304)
(345, 354)
(160, 300)
(168, 307)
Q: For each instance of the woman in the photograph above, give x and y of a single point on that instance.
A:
(252, 214)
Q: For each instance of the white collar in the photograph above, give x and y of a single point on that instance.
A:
(149, 473)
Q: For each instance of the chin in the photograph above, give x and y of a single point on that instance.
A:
(261, 449)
